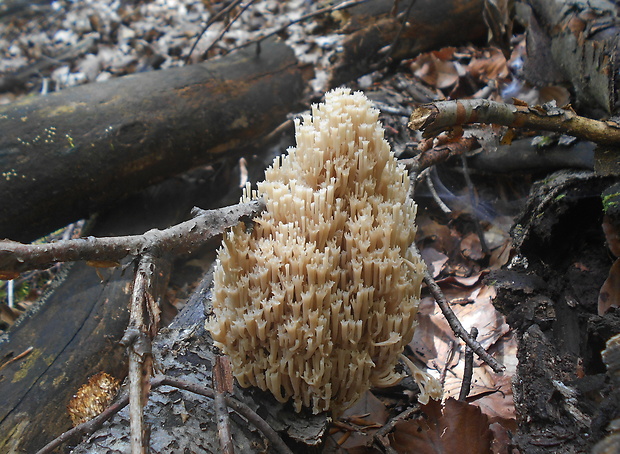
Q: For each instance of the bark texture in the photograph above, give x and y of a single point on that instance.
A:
(576, 42)
(75, 331)
(184, 422)
(379, 34)
(69, 154)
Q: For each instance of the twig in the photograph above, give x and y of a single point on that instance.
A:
(163, 380)
(438, 153)
(452, 350)
(138, 344)
(327, 9)
(438, 116)
(17, 358)
(236, 405)
(179, 239)
(86, 427)
(431, 187)
(400, 31)
(228, 25)
(468, 371)
(379, 435)
(220, 386)
(455, 324)
(210, 22)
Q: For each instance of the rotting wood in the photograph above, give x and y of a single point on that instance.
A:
(376, 36)
(76, 332)
(577, 41)
(69, 154)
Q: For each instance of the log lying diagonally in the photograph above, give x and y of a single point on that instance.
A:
(67, 155)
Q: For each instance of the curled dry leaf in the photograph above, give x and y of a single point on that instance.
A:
(457, 427)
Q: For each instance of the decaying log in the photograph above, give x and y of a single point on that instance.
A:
(69, 154)
(374, 27)
(576, 42)
(75, 332)
(184, 350)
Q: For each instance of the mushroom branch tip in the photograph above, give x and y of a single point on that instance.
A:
(316, 300)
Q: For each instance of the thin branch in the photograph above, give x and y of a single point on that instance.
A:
(210, 22)
(228, 25)
(380, 437)
(86, 427)
(182, 238)
(138, 344)
(451, 352)
(400, 31)
(17, 358)
(438, 153)
(431, 187)
(455, 323)
(468, 371)
(222, 383)
(327, 9)
(163, 380)
(236, 405)
(438, 116)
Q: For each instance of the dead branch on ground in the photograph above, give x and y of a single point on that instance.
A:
(438, 116)
(179, 239)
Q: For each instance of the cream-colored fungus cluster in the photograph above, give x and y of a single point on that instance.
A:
(317, 301)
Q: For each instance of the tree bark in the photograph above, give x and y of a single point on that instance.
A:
(184, 350)
(576, 42)
(373, 28)
(69, 154)
(75, 331)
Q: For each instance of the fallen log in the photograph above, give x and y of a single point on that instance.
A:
(576, 42)
(67, 155)
(185, 351)
(377, 34)
(75, 331)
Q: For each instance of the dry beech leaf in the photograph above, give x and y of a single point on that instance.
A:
(498, 403)
(435, 71)
(490, 65)
(434, 260)
(471, 247)
(458, 427)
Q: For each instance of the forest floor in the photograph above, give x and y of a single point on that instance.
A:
(523, 269)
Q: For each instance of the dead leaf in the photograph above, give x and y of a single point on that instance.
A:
(434, 260)
(461, 428)
(435, 71)
(471, 247)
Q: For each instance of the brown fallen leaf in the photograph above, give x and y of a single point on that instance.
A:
(455, 428)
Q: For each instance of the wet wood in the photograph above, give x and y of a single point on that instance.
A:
(374, 27)
(67, 155)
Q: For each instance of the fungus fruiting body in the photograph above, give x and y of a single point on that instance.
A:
(317, 300)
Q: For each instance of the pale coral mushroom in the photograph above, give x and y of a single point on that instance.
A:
(317, 301)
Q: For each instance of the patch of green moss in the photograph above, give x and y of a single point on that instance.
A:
(610, 201)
